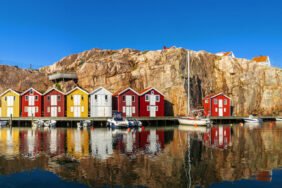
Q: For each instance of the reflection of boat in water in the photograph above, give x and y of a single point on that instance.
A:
(192, 128)
(252, 119)
(253, 125)
(50, 123)
(86, 123)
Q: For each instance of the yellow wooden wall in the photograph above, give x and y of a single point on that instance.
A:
(16, 104)
(84, 102)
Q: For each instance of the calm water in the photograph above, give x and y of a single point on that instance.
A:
(221, 156)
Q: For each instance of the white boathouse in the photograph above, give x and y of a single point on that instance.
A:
(101, 103)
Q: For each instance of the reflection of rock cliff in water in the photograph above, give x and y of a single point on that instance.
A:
(251, 152)
(253, 88)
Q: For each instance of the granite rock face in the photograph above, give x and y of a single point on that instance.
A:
(253, 88)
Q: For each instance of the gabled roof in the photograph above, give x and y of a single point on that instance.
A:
(76, 89)
(117, 92)
(122, 91)
(260, 59)
(148, 89)
(10, 90)
(214, 95)
(29, 90)
(99, 89)
(51, 90)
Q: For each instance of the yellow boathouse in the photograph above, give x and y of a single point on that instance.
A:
(77, 103)
(10, 103)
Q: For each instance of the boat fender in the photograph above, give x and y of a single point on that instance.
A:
(195, 125)
(128, 129)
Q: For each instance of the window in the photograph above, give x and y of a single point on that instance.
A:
(48, 98)
(71, 97)
(5, 98)
(224, 109)
(215, 101)
(157, 108)
(59, 109)
(148, 108)
(48, 109)
(206, 101)
(82, 97)
(95, 97)
(157, 98)
(25, 109)
(71, 109)
(146, 97)
(36, 97)
(106, 98)
(59, 97)
(152, 92)
(31, 92)
(14, 98)
(36, 109)
(133, 98)
(123, 109)
(123, 98)
(26, 98)
(225, 101)
(215, 109)
(224, 133)
(82, 109)
(133, 109)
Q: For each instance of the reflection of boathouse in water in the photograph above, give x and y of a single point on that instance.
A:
(9, 142)
(101, 143)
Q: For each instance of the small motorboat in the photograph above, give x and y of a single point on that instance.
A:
(50, 123)
(37, 123)
(3, 123)
(86, 123)
(117, 121)
(252, 119)
(193, 121)
(278, 119)
(133, 122)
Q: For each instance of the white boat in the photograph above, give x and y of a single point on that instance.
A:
(86, 123)
(133, 122)
(253, 125)
(50, 123)
(117, 121)
(278, 119)
(252, 119)
(3, 123)
(37, 123)
(193, 121)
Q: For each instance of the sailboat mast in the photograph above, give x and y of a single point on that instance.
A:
(188, 83)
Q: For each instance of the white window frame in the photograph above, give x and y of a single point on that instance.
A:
(133, 97)
(26, 98)
(82, 109)
(123, 109)
(207, 101)
(225, 102)
(157, 108)
(71, 109)
(157, 96)
(133, 109)
(215, 101)
(148, 108)
(146, 97)
(48, 109)
(215, 109)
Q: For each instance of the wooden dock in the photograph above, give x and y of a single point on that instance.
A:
(158, 121)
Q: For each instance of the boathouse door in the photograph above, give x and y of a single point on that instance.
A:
(54, 111)
(128, 111)
(220, 109)
(152, 100)
(152, 111)
(76, 111)
(10, 111)
(31, 111)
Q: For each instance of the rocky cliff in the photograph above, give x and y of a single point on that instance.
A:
(253, 88)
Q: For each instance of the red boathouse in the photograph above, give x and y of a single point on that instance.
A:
(31, 103)
(151, 103)
(127, 102)
(54, 103)
(217, 105)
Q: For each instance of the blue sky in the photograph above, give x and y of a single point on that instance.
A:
(42, 32)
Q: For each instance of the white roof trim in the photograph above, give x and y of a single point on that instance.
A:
(9, 90)
(76, 89)
(51, 90)
(150, 90)
(99, 89)
(129, 88)
(30, 89)
(219, 94)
